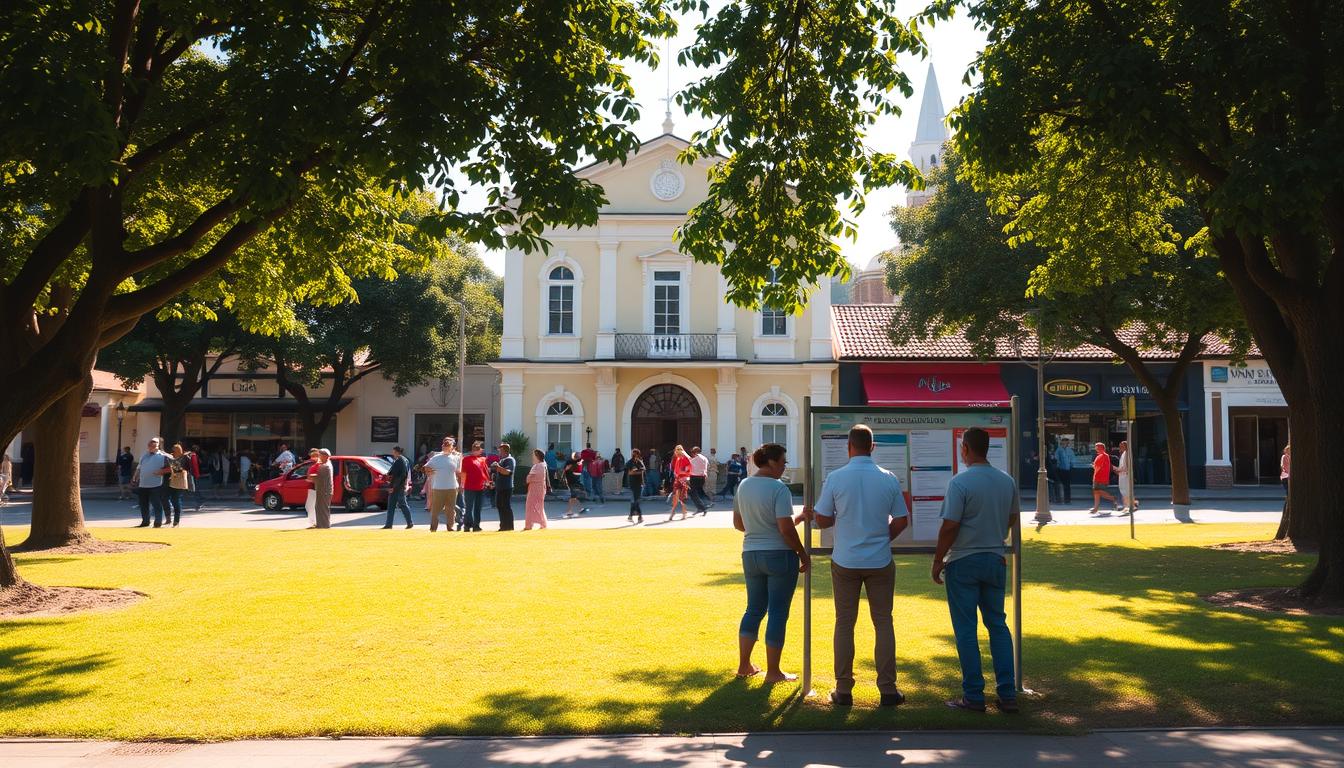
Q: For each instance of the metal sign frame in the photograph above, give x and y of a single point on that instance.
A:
(809, 498)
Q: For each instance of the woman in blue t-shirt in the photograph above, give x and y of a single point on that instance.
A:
(772, 558)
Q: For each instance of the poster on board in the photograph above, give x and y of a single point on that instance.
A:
(921, 447)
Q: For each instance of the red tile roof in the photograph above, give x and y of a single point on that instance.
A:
(862, 333)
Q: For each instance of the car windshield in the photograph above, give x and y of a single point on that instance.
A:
(301, 471)
(380, 464)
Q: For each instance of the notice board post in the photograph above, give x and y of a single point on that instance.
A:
(921, 446)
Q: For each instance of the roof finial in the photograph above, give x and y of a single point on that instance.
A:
(667, 99)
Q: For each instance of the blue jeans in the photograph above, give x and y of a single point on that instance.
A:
(150, 499)
(652, 482)
(771, 577)
(471, 513)
(173, 509)
(587, 481)
(636, 488)
(977, 581)
(397, 500)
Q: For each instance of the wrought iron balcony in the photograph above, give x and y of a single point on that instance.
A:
(657, 346)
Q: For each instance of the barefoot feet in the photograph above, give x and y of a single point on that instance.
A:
(780, 677)
(748, 671)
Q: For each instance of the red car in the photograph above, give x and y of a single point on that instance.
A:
(360, 482)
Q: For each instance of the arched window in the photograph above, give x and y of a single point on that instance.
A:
(561, 425)
(560, 301)
(933, 160)
(774, 424)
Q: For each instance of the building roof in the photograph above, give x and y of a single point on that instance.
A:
(107, 382)
(862, 333)
(931, 128)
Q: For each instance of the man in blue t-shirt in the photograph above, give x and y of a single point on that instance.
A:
(980, 508)
(864, 503)
(1065, 456)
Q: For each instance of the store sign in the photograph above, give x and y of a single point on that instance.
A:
(1247, 376)
(1121, 390)
(244, 388)
(933, 384)
(1067, 388)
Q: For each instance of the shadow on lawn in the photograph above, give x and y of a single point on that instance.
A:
(30, 678)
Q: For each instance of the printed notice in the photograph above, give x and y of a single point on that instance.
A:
(925, 523)
(834, 453)
(931, 448)
(890, 451)
(931, 483)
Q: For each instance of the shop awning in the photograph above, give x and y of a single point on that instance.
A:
(231, 405)
(925, 386)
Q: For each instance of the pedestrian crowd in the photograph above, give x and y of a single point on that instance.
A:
(1110, 471)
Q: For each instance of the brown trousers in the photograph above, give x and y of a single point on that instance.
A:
(445, 502)
(880, 584)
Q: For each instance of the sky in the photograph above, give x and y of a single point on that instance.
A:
(953, 45)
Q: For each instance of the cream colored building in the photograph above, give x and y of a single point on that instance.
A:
(617, 339)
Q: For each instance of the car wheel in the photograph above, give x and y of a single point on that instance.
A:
(272, 502)
(354, 503)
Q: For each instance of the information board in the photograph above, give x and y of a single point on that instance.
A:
(922, 447)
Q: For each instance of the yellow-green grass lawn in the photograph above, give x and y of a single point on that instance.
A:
(292, 633)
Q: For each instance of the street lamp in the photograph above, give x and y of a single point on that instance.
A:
(588, 432)
(1043, 515)
(121, 415)
(461, 373)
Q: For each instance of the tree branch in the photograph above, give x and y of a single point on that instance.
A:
(183, 241)
(49, 253)
(152, 153)
(358, 46)
(118, 49)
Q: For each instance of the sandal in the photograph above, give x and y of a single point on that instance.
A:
(962, 703)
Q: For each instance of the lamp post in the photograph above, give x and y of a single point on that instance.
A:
(588, 433)
(1043, 515)
(461, 375)
(121, 415)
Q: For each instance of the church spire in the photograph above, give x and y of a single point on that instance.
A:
(931, 128)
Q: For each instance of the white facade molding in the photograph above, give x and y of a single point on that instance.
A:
(510, 400)
(575, 419)
(566, 346)
(104, 429)
(819, 342)
(511, 342)
(790, 420)
(725, 392)
(607, 299)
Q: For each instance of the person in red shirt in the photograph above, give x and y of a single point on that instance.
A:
(475, 476)
(681, 476)
(1101, 477)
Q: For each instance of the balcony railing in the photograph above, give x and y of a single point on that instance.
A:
(657, 346)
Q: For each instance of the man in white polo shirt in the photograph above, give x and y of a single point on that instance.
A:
(863, 502)
(699, 472)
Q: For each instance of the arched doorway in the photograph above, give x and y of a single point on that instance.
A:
(664, 416)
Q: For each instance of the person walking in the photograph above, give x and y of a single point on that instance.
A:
(399, 477)
(1052, 474)
(125, 469)
(1065, 456)
(1130, 503)
(733, 472)
(179, 483)
(284, 461)
(443, 471)
(6, 477)
(634, 479)
(1101, 477)
(538, 485)
(595, 469)
(653, 472)
(574, 474)
(1285, 466)
(864, 503)
(194, 467)
(310, 501)
(980, 508)
(587, 455)
(681, 475)
(553, 466)
(475, 476)
(503, 470)
(149, 481)
(699, 475)
(244, 472)
(772, 558)
(324, 486)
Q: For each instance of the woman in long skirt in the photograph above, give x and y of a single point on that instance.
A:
(537, 482)
(681, 481)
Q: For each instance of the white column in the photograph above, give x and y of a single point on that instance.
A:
(606, 301)
(727, 440)
(819, 347)
(511, 343)
(727, 326)
(104, 425)
(510, 400)
(820, 388)
(605, 438)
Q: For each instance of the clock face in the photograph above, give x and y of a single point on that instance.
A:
(667, 183)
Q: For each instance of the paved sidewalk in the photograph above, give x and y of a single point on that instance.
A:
(1251, 747)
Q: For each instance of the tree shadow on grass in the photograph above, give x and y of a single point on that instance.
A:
(30, 677)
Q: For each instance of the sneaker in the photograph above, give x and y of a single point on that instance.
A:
(969, 706)
(584, 511)
(1007, 706)
(568, 515)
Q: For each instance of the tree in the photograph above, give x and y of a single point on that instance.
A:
(336, 346)
(146, 146)
(1071, 220)
(1243, 102)
(179, 353)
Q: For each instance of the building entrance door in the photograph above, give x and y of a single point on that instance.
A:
(1245, 450)
(1272, 436)
(665, 416)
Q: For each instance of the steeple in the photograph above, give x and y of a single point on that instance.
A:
(926, 150)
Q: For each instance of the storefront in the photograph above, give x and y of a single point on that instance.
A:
(1082, 403)
(1247, 423)
(933, 384)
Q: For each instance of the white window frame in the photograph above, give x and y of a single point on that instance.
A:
(773, 346)
(667, 261)
(545, 419)
(788, 421)
(564, 346)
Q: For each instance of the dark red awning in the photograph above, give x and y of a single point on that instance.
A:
(926, 386)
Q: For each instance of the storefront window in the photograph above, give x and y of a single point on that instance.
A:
(431, 428)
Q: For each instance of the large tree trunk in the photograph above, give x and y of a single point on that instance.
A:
(9, 576)
(1180, 472)
(315, 424)
(1316, 488)
(172, 419)
(58, 514)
